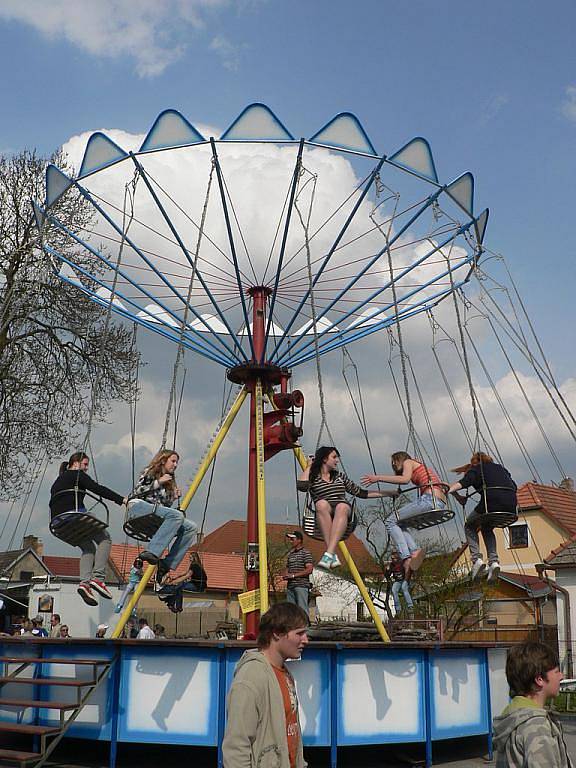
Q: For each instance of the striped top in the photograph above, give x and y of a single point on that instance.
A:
(332, 491)
(297, 561)
(426, 479)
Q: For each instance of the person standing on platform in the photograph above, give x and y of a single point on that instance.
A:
(55, 625)
(299, 566)
(145, 632)
(395, 572)
(263, 727)
(526, 734)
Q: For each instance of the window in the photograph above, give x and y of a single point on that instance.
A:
(26, 575)
(518, 535)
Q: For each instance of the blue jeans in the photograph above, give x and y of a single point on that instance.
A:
(403, 540)
(174, 526)
(398, 586)
(298, 596)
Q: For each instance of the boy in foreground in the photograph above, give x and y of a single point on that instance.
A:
(525, 734)
(263, 729)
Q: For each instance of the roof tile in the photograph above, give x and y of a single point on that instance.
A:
(557, 503)
(231, 538)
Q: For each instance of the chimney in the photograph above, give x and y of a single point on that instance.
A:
(34, 543)
(567, 484)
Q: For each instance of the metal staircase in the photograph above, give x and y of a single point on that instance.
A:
(44, 738)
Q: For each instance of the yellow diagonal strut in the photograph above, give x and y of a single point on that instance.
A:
(353, 570)
(202, 469)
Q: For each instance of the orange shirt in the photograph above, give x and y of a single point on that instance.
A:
(288, 689)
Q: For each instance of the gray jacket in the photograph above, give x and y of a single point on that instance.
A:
(526, 736)
(256, 727)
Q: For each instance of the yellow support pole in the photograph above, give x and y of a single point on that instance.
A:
(222, 432)
(127, 612)
(261, 497)
(301, 458)
(202, 469)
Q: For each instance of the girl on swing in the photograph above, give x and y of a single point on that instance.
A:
(67, 495)
(431, 496)
(327, 488)
(497, 493)
(154, 494)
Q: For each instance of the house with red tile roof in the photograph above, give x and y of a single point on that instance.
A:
(547, 518)
(561, 564)
(231, 537)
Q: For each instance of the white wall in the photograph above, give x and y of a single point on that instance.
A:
(566, 578)
(339, 597)
(81, 618)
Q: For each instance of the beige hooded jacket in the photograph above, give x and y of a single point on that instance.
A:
(255, 734)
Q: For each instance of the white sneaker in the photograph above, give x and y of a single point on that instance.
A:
(325, 561)
(493, 571)
(335, 562)
(478, 568)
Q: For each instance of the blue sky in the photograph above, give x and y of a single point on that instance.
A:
(487, 84)
(491, 85)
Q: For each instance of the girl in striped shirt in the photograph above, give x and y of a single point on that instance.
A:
(328, 488)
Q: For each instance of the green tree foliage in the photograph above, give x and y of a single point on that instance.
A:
(55, 344)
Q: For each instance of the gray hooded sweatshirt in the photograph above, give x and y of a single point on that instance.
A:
(526, 736)
(255, 734)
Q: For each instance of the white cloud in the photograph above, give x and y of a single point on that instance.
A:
(228, 52)
(258, 178)
(154, 33)
(569, 103)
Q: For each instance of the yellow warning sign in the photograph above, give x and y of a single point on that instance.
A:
(249, 601)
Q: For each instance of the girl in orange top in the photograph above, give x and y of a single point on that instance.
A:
(431, 496)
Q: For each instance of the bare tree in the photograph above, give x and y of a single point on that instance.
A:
(55, 344)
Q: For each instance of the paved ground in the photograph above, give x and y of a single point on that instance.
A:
(461, 753)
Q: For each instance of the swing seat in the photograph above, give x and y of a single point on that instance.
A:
(78, 524)
(427, 519)
(435, 516)
(143, 527)
(312, 529)
(76, 527)
(499, 518)
(495, 518)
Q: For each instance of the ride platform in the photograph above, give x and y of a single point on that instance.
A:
(350, 693)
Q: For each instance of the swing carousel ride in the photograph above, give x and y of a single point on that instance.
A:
(262, 272)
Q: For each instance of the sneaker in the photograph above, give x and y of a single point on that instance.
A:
(478, 568)
(162, 570)
(335, 562)
(149, 557)
(493, 571)
(101, 588)
(86, 594)
(325, 561)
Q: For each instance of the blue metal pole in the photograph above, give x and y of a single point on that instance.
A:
(221, 701)
(232, 246)
(187, 255)
(329, 255)
(340, 341)
(363, 271)
(115, 708)
(428, 708)
(488, 703)
(137, 250)
(401, 275)
(334, 699)
(295, 178)
(210, 351)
